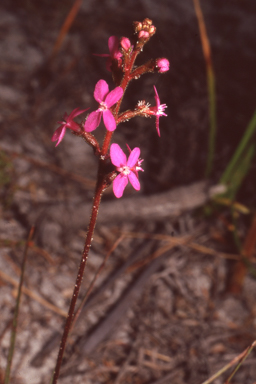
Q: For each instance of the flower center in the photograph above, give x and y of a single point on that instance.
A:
(103, 106)
(125, 170)
(160, 110)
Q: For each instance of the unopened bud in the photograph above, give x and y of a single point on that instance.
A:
(147, 21)
(162, 65)
(125, 43)
(143, 34)
(152, 30)
(137, 26)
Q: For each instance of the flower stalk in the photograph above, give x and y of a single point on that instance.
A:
(120, 61)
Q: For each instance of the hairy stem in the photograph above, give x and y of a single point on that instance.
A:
(96, 202)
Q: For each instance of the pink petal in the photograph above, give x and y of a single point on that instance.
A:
(119, 185)
(73, 114)
(113, 43)
(101, 90)
(109, 120)
(77, 112)
(114, 96)
(93, 121)
(134, 181)
(59, 134)
(133, 158)
(117, 156)
(157, 99)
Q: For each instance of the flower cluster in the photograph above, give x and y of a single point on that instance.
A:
(113, 165)
(120, 61)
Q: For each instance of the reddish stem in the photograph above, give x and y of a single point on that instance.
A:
(127, 115)
(96, 202)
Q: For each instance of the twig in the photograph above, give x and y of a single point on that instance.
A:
(237, 359)
(246, 354)
(33, 295)
(157, 206)
(81, 306)
(88, 344)
(53, 168)
(126, 364)
(182, 241)
(51, 343)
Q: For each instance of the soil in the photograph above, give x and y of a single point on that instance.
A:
(173, 319)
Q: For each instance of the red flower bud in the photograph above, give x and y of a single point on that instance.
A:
(162, 65)
(125, 43)
(143, 34)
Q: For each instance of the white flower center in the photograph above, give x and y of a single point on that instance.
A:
(161, 109)
(125, 170)
(103, 106)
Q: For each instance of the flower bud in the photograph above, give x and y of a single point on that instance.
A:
(147, 22)
(137, 26)
(143, 34)
(125, 43)
(152, 30)
(162, 65)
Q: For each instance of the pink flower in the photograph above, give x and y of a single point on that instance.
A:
(162, 65)
(105, 99)
(67, 123)
(128, 169)
(114, 53)
(157, 110)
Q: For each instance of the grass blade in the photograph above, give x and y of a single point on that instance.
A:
(16, 312)
(240, 172)
(240, 152)
(211, 86)
(239, 359)
(246, 354)
(66, 26)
